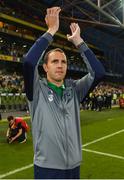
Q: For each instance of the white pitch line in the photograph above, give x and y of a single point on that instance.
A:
(102, 138)
(104, 154)
(92, 142)
(15, 171)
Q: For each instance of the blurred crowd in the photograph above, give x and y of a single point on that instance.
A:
(18, 49)
(12, 48)
(103, 97)
(11, 83)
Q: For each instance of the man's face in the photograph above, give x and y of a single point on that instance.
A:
(56, 66)
(11, 122)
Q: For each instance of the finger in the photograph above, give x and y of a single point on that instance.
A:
(68, 35)
(55, 10)
(48, 11)
(77, 26)
(72, 28)
(51, 10)
(58, 10)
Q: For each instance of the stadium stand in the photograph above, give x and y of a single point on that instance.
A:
(17, 37)
(12, 96)
(102, 25)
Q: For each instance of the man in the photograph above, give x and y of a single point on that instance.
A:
(17, 130)
(54, 103)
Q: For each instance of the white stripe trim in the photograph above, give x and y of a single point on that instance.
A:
(103, 154)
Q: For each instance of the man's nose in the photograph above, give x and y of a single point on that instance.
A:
(60, 64)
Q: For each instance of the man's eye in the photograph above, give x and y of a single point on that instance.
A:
(55, 61)
(64, 62)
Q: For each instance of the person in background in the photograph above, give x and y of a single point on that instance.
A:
(54, 102)
(17, 130)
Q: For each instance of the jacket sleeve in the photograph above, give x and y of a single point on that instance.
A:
(95, 69)
(31, 61)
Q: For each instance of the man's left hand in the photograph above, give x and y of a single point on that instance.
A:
(75, 37)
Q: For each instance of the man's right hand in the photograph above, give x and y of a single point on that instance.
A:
(52, 19)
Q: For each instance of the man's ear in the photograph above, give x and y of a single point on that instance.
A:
(45, 67)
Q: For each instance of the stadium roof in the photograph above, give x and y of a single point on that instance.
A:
(102, 23)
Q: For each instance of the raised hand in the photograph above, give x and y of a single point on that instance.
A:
(75, 37)
(52, 19)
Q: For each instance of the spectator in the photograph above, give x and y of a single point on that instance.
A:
(17, 130)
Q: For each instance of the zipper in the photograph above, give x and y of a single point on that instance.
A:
(66, 137)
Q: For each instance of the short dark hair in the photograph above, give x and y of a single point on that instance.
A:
(9, 118)
(45, 61)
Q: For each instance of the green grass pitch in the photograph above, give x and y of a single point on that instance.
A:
(103, 148)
